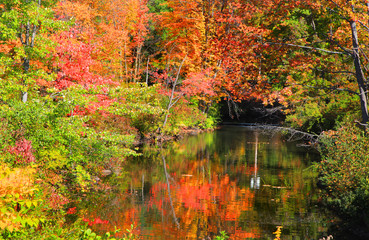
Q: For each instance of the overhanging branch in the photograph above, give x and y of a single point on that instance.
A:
(321, 70)
(307, 47)
(330, 88)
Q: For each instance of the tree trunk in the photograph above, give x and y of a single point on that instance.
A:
(24, 95)
(359, 73)
(171, 98)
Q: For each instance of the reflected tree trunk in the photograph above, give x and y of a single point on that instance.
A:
(143, 183)
(255, 180)
(169, 193)
(256, 153)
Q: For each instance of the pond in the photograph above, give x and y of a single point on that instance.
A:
(235, 179)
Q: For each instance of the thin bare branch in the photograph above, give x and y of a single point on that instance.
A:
(330, 88)
(320, 70)
(363, 25)
(307, 47)
(331, 40)
(170, 104)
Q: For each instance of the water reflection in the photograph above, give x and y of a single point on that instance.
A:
(234, 179)
(255, 180)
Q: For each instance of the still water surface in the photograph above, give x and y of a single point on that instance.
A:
(234, 179)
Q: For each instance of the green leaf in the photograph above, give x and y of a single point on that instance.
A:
(28, 204)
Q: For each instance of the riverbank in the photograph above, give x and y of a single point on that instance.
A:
(157, 138)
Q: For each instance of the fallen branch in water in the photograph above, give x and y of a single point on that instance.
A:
(292, 134)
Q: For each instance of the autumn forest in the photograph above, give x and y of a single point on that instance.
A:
(86, 84)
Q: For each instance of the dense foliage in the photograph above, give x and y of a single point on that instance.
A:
(344, 172)
(82, 81)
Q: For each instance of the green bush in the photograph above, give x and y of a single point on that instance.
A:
(223, 236)
(317, 114)
(187, 115)
(46, 133)
(344, 171)
(145, 107)
(142, 105)
(77, 230)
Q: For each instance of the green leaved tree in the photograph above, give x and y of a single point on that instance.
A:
(24, 46)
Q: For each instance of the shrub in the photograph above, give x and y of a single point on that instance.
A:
(142, 105)
(316, 115)
(344, 170)
(19, 205)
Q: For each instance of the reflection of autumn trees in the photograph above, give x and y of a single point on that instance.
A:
(210, 190)
(203, 203)
(207, 204)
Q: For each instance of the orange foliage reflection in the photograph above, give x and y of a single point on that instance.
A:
(202, 190)
(203, 204)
